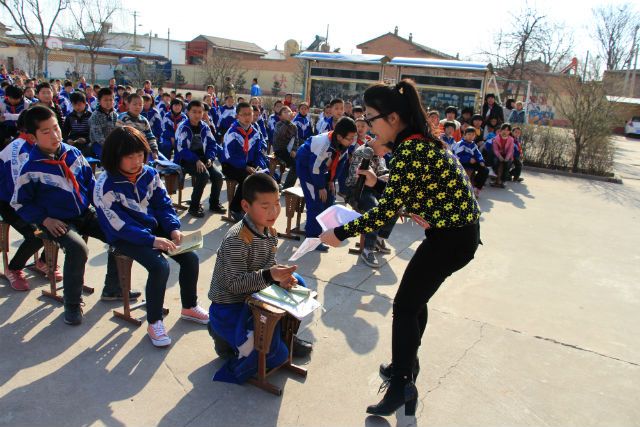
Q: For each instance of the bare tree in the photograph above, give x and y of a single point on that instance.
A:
(219, 65)
(615, 31)
(36, 20)
(553, 46)
(91, 19)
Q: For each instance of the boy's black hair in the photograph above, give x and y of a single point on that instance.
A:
(121, 142)
(358, 109)
(165, 94)
(467, 110)
(345, 126)
(176, 101)
(105, 91)
(242, 105)
(255, 79)
(96, 87)
(477, 117)
(505, 126)
(335, 101)
(194, 103)
(146, 98)
(43, 85)
(77, 97)
(187, 94)
(35, 115)
(133, 96)
(282, 109)
(303, 104)
(4, 84)
(67, 83)
(448, 124)
(205, 107)
(227, 97)
(120, 87)
(451, 109)
(470, 129)
(14, 92)
(278, 101)
(258, 183)
(516, 127)
(254, 108)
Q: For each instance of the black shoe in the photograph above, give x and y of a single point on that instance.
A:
(237, 216)
(386, 370)
(72, 314)
(222, 348)
(117, 295)
(399, 391)
(217, 208)
(301, 348)
(198, 212)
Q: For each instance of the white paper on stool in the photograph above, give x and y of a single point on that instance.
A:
(335, 216)
(307, 246)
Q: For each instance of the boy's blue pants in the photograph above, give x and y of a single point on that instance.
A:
(315, 206)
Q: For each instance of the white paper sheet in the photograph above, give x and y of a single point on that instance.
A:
(307, 246)
(335, 216)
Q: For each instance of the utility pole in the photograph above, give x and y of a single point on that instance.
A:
(168, 41)
(135, 29)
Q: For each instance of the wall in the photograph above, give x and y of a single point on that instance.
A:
(392, 46)
(158, 45)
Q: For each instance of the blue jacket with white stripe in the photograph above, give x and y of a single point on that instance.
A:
(313, 160)
(304, 125)
(234, 154)
(226, 117)
(154, 118)
(132, 212)
(12, 158)
(184, 138)
(42, 190)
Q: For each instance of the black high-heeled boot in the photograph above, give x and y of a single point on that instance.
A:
(386, 370)
(400, 391)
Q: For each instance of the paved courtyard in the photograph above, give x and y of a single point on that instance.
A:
(542, 328)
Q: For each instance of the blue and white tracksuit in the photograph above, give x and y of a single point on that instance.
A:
(12, 158)
(170, 123)
(313, 162)
(324, 125)
(271, 126)
(184, 136)
(226, 117)
(304, 125)
(233, 150)
(154, 118)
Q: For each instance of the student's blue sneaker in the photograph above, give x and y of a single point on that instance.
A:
(322, 248)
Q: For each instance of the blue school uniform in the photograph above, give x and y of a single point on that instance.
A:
(315, 168)
(154, 118)
(242, 149)
(304, 125)
(465, 151)
(271, 125)
(226, 117)
(184, 137)
(92, 101)
(11, 112)
(43, 190)
(12, 158)
(170, 123)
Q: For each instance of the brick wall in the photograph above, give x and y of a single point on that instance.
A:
(393, 46)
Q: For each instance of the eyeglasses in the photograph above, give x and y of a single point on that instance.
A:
(370, 121)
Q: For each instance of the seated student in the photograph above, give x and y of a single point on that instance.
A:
(102, 121)
(12, 158)
(164, 106)
(206, 117)
(273, 120)
(358, 112)
(286, 143)
(196, 150)
(246, 264)
(368, 198)
(11, 106)
(119, 98)
(303, 122)
(44, 93)
(30, 94)
(64, 98)
(259, 124)
(139, 221)
(123, 105)
(54, 191)
(517, 116)
(515, 172)
(471, 159)
(326, 112)
(503, 151)
(75, 130)
(226, 115)
(476, 123)
(447, 135)
(146, 87)
(133, 117)
(491, 126)
(82, 84)
(242, 154)
(170, 123)
(320, 161)
(362, 136)
(337, 112)
(466, 115)
(450, 114)
(92, 101)
(152, 115)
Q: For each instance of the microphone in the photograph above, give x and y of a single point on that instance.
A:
(367, 154)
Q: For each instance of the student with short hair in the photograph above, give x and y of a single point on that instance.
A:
(471, 159)
(195, 152)
(226, 115)
(274, 119)
(320, 161)
(92, 101)
(255, 88)
(337, 112)
(447, 136)
(517, 116)
(76, 128)
(164, 105)
(242, 154)
(245, 264)
(503, 149)
(170, 122)
(450, 114)
(286, 143)
(303, 122)
(54, 191)
(516, 171)
(152, 115)
(44, 93)
(134, 118)
(139, 221)
(102, 121)
(11, 106)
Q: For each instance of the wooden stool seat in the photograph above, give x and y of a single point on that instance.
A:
(174, 184)
(265, 319)
(51, 249)
(4, 245)
(231, 191)
(275, 162)
(124, 265)
(294, 205)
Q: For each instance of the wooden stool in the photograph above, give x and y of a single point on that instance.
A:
(174, 184)
(124, 264)
(265, 319)
(4, 248)
(359, 247)
(274, 162)
(51, 249)
(231, 191)
(294, 204)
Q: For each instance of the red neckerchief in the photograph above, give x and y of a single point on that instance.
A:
(175, 121)
(131, 177)
(246, 135)
(215, 102)
(13, 107)
(24, 135)
(67, 172)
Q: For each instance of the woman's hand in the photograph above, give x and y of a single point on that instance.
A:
(370, 178)
(329, 237)
(176, 237)
(163, 244)
(420, 221)
(323, 195)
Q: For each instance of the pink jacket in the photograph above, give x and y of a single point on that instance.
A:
(503, 147)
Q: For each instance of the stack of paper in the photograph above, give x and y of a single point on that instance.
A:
(299, 301)
(189, 243)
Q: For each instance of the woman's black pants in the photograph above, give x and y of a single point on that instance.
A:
(443, 252)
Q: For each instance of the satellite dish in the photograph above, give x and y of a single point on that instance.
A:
(54, 43)
(291, 47)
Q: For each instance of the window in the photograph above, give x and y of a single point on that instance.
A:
(445, 81)
(345, 74)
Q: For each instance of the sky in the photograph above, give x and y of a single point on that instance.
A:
(462, 27)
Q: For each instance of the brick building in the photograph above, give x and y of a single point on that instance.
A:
(392, 45)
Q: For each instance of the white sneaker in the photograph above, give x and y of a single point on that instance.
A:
(195, 314)
(158, 334)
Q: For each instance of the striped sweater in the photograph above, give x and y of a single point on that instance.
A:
(242, 263)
